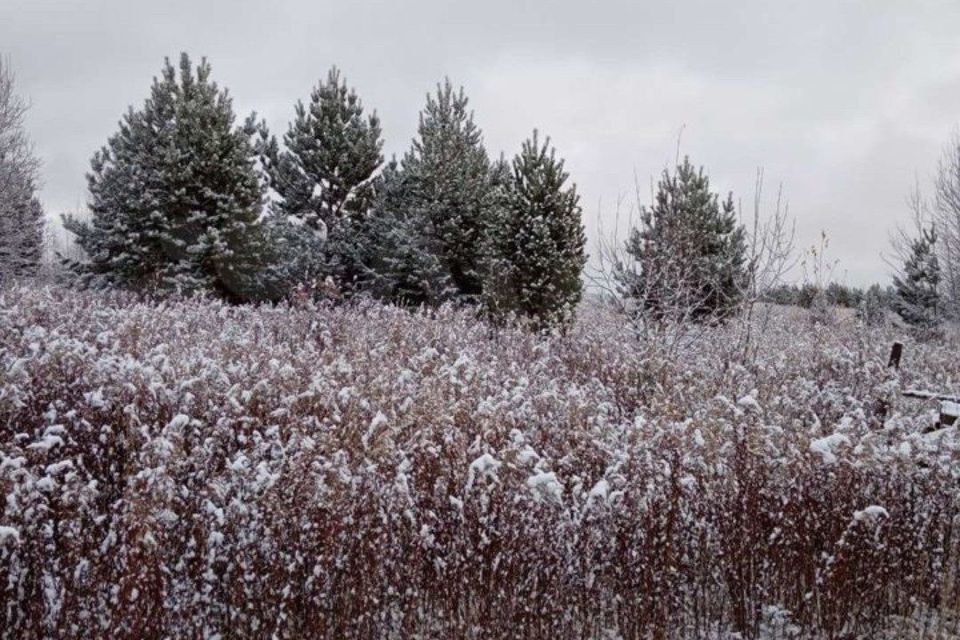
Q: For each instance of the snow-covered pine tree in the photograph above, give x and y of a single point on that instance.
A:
(21, 216)
(873, 305)
(917, 298)
(332, 152)
(404, 265)
(447, 183)
(22, 225)
(689, 253)
(175, 197)
(536, 244)
(325, 175)
(499, 297)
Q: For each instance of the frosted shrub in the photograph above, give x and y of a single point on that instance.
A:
(189, 469)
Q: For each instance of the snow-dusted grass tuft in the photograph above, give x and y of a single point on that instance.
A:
(188, 469)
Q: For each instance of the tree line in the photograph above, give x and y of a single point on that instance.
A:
(184, 198)
(178, 195)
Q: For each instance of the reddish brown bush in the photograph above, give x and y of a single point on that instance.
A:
(193, 470)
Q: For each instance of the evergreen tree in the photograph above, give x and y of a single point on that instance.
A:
(689, 253)
(21, 216)
(917, 298)
(21, 234)
(873, 305)
(324, 177)
(405, 265)
(175, 196)
(447, 185)
(536, 244)
(296, 256)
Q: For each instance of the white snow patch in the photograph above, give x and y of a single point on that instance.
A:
(48, 442)
(698, 438)
(239, 464)
(9, 533)
(57, 467)
(599, 492)
(825, 446)
(179, 421)
(484, 466)
(379, 421)
(95, 399)
(749, 402)
(546, 485)
(527, 454)
(873, 512)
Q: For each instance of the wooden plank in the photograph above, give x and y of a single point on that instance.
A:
(930, 395)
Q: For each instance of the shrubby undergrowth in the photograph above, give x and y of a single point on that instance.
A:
(189, 469)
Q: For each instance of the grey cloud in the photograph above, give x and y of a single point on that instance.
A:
(844, 102)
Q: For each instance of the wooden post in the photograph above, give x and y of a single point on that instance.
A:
(895, 352)
(882, 405)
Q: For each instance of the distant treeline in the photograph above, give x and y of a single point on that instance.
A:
(841, 295)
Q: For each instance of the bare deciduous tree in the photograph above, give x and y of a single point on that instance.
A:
(21, 216)
(945, 214)
(771, 246)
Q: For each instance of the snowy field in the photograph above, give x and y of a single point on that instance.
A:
(196, 470)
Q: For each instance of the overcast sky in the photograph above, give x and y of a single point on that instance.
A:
(846, 104)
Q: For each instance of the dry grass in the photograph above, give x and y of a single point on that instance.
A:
(193, 470)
